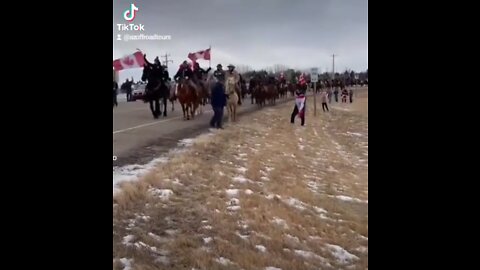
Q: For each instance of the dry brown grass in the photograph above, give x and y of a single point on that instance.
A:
(333, 162)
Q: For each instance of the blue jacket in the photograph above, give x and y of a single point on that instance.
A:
(219, 99)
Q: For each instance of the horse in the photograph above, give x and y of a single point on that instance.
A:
(155, 90)
(173, 94)
(233, 98)
(272, 93)
(187, 97)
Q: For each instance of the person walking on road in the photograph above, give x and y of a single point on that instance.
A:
(336, 94)
(219, 101)
(350, 93)
(324, 100)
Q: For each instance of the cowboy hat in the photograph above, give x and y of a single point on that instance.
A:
(231, 66)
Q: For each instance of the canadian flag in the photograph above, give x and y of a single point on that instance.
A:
(130, 61)
(205, 54)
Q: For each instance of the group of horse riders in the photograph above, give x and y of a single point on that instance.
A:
(195, 76)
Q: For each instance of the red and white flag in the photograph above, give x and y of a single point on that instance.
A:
(130, 61)
(205, 54)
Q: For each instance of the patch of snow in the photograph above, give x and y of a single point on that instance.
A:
(221, 173)
(133, 172)
(234, 208)
(244, 237)
(261, 248)
(272, 268)
(355, 134)
(163, 194)
(264, 178)
(315, 238)
(295, 203)
(320, 210)
(248, 192)
(158, 238)
(269, 169)
(223, 261)
(233, 201)
(271, 196)
(128, 239)
(162, 260)
(177, 182)
(341, 254)
(242, 155)
(332, 169)
(171, 232)
(308, 254)
(127, 263)
(350, 199)
(293, 238)
(242, 170)
(186, 142)
(362, 249)
(280, 222)
(207, 240)
(142, 217)
(240, 179)
(232, 192)
(207, 227)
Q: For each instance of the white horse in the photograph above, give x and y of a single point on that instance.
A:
(232, 101)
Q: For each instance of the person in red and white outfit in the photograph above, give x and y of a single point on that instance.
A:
(299, 108)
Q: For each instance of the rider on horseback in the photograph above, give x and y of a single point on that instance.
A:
(198, 74)
(219, 74)
(232, 73)
(156, 70)
(185, 72)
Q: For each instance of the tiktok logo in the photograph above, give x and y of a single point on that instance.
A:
(130, 13)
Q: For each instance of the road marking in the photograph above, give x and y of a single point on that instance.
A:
(178, 117)
(153, 123)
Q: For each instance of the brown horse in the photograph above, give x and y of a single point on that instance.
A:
(272, 93)
(187, 96)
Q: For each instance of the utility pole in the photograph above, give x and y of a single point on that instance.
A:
(166, 59)
(333, 66)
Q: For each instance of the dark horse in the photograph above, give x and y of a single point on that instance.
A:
(156, 89)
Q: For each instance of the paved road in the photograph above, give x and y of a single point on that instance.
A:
(138, 138)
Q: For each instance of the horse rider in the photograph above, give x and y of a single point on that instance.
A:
(198, 73)
(233, 73)
(219, 74)
(156, 71)
(185, 72)
(283, 81)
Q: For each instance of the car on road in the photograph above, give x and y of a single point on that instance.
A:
(138, 92)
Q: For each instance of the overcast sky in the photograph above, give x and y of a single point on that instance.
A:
(258, 33)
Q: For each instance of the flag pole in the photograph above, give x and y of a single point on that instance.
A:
(210, 58)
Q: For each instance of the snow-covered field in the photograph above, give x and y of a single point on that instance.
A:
(261, 194)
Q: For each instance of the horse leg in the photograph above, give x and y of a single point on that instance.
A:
(164, 106)
(172, 105)
(183, 109)
(234, 113)
(152, 109)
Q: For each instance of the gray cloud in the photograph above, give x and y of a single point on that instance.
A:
(258, 33)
